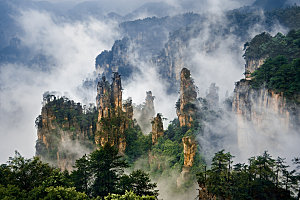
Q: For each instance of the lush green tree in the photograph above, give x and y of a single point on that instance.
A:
(106, 166)
(220, 174)
(82, 175)
(138, 182)
(62, 193)
(128, 196)
(263, 178)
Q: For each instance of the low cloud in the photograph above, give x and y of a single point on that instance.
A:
(73, 47)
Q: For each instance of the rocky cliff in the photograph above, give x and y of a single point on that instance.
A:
(268, 95)
(113, 118)
(157, 128)
(256, 109)
(186, 106)
(65, 131)
(189, 151)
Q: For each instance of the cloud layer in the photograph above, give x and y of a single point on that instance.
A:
(73, 47)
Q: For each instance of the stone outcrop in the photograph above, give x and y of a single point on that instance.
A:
(157, 128)
(113, 117)
(61, 137)
(252, 65)
(144, 113)
(262, 113)
(189, 151)
(186, 106)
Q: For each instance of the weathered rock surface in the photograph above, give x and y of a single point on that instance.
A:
(257, 109)
(157, 128)
(189, 150)
(113, 118)
(62, 139)
(186, 107)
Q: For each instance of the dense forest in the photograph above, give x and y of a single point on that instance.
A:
(100, 175)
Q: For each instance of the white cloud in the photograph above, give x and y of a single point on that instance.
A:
(73, 46)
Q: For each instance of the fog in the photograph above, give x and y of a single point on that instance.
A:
(73, 47)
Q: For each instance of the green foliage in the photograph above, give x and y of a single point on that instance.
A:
(106, 167)
(128, 196)
(61, 193)
(137, 144)
(101, 173)
(279, 75)
(81, 176)
(263, 178)
(70, 115)
(138, 182)
(28, 178)
(264, 45)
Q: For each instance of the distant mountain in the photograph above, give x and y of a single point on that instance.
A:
(157, 9)
(270, 4)
(165, 41)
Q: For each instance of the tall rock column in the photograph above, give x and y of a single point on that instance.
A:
(113, 118)
(116, 89)
(186, 106)
(103, 99)
(189, 151)
(157, 128)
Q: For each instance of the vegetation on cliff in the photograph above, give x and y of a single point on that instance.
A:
(279, 75)
(67, 112)
(281, 71)
(264, 45)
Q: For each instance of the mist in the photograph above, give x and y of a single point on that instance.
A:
(73, 47)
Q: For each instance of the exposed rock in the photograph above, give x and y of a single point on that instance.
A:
(257, 109)
(189, 150)
(186, 107)
(113, 120)
(62, 139)
(252, 65)
(157, 128)
(204, 194)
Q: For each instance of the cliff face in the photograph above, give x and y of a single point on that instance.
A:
(186, 107)
(157, 128)
(113, 117)
(252, 65)
(66, 130)
(257, 109)
(63, 138)
(189, 151)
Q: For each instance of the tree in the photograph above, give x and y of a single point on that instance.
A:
(106, 167)
(128, 196)
(138, 182)
(82, 175)
(61, 193)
